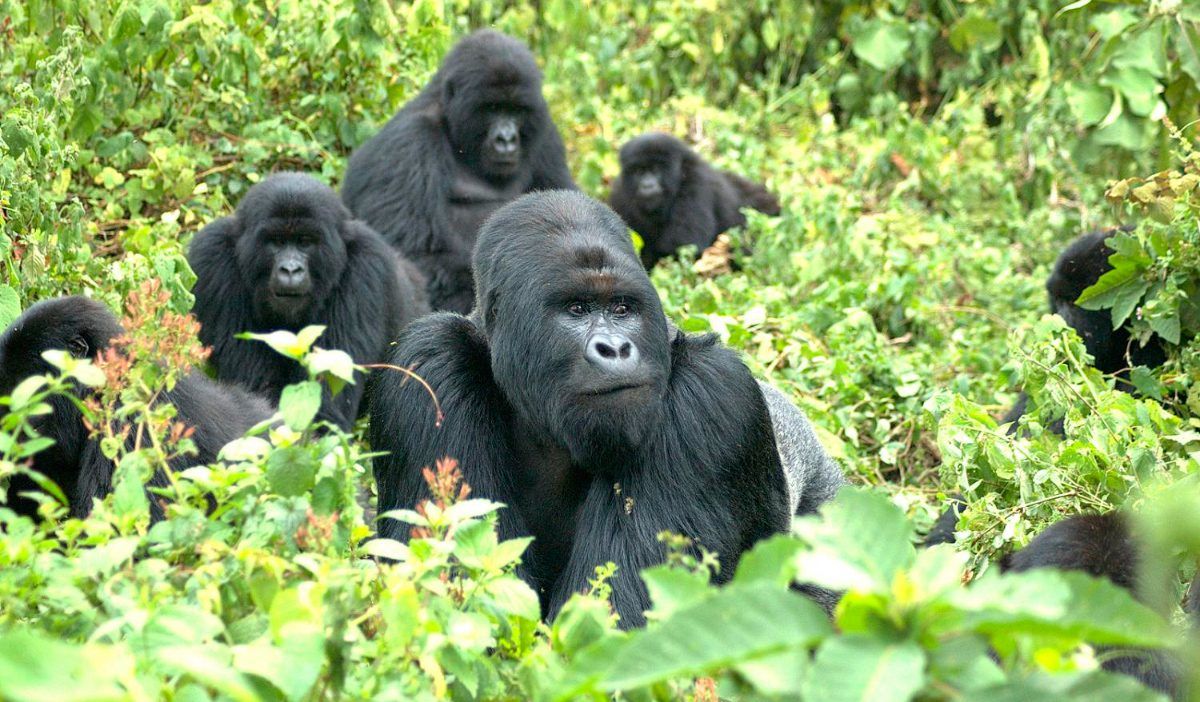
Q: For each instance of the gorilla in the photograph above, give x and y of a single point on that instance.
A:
(83, 328)
(671, 197)
(477, 136)
(1102, 545)
(568, 397)
(1113, 351)
(291, 256)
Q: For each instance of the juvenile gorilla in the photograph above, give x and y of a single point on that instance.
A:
(83, 328)
(671, 197)
(1113, 351)
(479, 135)
(289, 257)
(568, 397)
(1103, 546)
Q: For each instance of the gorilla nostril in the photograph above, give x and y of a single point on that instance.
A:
(605, 350)
(626, 349)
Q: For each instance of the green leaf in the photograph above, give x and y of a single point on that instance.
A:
(881, 44)
(860, 669)
(287, 343)
(337, 366)
(299, 404)
(737, 625)
(1088, 103)
(291, 471)
(292, 666)
(36, 667)
(129, 490)
(975, 30)
(512, 595)
(10, 305)
(1168, 327)
(771, 560)
(1111, 24)
(860, 540)
(672, 589)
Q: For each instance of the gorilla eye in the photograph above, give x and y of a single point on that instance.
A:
(78, 347)
(622, 309)
(577, 308)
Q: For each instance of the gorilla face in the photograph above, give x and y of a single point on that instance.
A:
(651, 171)
(291, 250)
(578, 339)
(492, 104)
(77, 325)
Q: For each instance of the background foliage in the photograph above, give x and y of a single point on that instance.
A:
(932, 159)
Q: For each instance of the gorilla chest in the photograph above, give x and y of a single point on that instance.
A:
(473, 199)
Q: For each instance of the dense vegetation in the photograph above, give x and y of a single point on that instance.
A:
(932, 159)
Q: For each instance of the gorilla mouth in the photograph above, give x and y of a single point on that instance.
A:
(613, 389)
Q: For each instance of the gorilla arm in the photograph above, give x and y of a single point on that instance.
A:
(548, 163)
(399, 182)
(712, 474)
(367, 293)
(450, 354)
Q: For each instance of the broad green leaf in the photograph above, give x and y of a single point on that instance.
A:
(514, 596)
(1057, 604)
(1110, 24)
(129, 490)
(299, 404)
(975, 30)
(10, 305)
(737, 625)
(211, 665)
(292, 665)
(37, 668)
(1088, 103)
(861, 669)
(860, 540)
(291, 471)
(672, 589)
(881, 44)
(770, 560)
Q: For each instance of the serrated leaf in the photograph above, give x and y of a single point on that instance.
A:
(738, 624)
(514, 596)
(860, 669)
(859, 540)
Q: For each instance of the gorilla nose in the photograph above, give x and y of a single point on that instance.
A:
(291, 274)
(612, 353)
(648, 187)
(506, 140)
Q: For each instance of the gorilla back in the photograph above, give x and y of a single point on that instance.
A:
(291, 256)
(83, 328)
(568, 398)
(478, 136)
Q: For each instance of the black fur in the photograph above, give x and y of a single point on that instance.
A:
(687, 201)
(75, 463)
(1102, 545)
(358, 287)
(942, 531)
(1113, 351)
(425, 181)
(541, 423)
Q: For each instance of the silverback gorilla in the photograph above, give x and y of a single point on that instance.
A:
(289, 257)
(1103, 546)
(479, 135)
(672, 198)
(83, 328)
(568, 397)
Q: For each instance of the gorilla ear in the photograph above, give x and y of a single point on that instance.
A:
(78, 347)
(448, 90)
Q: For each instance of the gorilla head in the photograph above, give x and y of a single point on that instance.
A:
(1079, 266)
(579, 343)
(291, 251)
(651, 171)
(491, 96)
(77, 325)
(81, 327)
